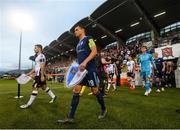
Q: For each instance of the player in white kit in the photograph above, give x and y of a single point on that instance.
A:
(112, 75)
(39, 77)
(130, 72)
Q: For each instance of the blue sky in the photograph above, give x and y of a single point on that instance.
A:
(50, 17)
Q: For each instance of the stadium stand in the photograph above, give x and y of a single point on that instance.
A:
(121, 27)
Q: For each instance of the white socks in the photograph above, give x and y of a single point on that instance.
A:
(109, 85)
(132, 83)
(32, 97)
(49, 92)
(114, 85)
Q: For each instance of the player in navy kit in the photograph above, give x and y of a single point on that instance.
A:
(158, 73)
(86, 52)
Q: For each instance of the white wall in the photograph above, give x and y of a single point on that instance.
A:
(175, 51)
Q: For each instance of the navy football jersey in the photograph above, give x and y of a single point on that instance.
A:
(83, 50)
(159, 64)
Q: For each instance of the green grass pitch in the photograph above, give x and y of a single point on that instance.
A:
(126, 108)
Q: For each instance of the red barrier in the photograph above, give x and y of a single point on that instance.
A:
(56, 74)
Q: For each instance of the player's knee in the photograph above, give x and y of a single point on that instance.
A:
(148, 80)
(34, 89)
(46, 89)
(77, 89)
(157, 79)
(94, 90)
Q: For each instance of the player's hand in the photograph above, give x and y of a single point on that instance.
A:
(31, 75)
(82, 66)
(42, 78)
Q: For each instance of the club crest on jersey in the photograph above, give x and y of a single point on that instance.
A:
(91, 83)
(81, 43)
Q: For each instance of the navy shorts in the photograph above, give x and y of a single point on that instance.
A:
(158, 75)
(90, 80)
(131, 74)
(38, 83)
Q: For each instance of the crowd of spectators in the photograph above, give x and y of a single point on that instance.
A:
(119, 56)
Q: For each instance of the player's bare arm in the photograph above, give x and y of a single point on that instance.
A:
(116, 69)
(42, 71)
(105, 62)
(163, 69)
(30, 73)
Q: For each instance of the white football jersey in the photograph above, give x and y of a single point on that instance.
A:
(128, 52)
(130, 65)
(110, 69)
(39, 59)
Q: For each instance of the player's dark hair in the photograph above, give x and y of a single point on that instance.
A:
(39, 46)
(81, 26)
(144, 47)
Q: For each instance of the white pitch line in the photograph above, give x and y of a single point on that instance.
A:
(1, 93)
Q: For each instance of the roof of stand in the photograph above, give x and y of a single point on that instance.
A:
(120, 19)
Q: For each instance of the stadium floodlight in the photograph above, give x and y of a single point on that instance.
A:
(159, 14)
(134, 24)
(119, 30)
(103, 36)
(24, 22)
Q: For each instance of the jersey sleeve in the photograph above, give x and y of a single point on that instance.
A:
(151, 57)
(91, 43)
(138, 58)
(152, 61)
(42, 59)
